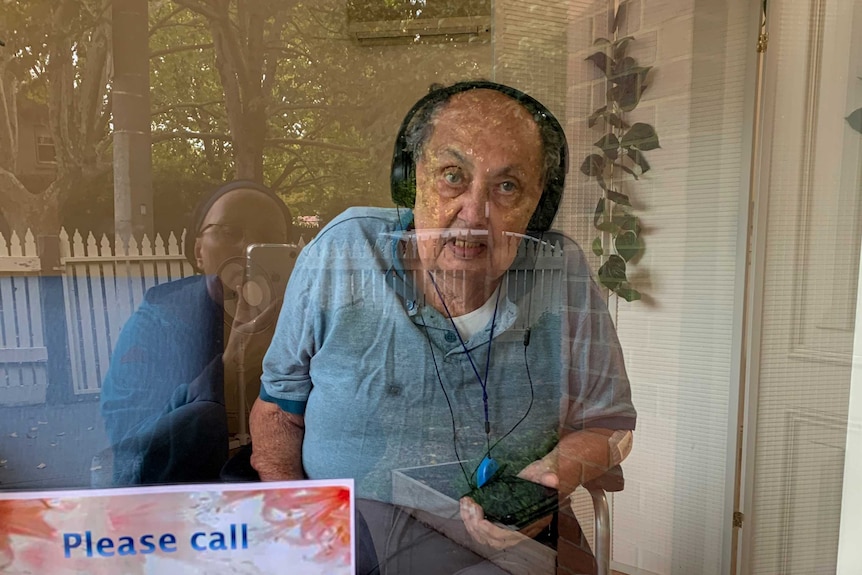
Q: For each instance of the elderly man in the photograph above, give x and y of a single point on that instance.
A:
(428, 336)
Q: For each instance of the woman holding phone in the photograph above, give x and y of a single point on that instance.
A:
(185, 350)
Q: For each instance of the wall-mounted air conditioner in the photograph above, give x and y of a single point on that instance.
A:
(464, 28)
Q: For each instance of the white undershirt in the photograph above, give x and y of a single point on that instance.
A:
(472, 323)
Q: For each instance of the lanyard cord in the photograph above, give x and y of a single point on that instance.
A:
(482, 382)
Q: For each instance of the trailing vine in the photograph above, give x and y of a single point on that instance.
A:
(621, 155)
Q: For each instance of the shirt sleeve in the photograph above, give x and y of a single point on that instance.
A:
(598, 387)
(286, 379)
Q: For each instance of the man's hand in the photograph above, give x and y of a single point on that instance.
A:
(276, 442)
(483, 531)
(579, 457)
(486, 533)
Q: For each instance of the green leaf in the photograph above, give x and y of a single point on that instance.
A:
(628, 222)
(593, 165)
(597, 246)
(631, 97)
(609, 227)
(855, 120)
(602, 62)
(638, 158)
(627, 70)
(641, 136)
(594, 117)
(628, 245)
(610, 145)
(625, 66)
(600, 211)
(628, 88)
(618, 17)
(621, 43)
(613, 272)
(628, 293)
(627, 170)
(618, 198)
(601, 42)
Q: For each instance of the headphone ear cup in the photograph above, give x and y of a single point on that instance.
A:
(402, 179)
(543, 218)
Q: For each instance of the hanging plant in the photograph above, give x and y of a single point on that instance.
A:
(621, 157)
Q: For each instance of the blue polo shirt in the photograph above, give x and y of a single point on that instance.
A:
(385, 383)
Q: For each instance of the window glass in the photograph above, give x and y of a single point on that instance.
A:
(487, 237)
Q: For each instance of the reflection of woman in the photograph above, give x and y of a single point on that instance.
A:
(163, 399)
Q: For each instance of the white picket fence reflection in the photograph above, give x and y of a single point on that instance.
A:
(23, 356)
(103, 287)
(104, 282)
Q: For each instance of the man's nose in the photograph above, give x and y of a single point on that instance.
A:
(475, 205)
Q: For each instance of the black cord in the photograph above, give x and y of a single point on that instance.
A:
(449, 403)
(526, 344)
(532, 393)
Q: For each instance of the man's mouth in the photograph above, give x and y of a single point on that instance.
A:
(466, 244)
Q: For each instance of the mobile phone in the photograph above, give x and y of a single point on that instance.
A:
(268, 268)
(514, 502)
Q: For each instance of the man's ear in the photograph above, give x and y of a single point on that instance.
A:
(199, 260)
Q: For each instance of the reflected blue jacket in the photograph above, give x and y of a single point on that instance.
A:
(163, 398)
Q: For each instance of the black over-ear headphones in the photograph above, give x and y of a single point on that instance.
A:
(403, 176)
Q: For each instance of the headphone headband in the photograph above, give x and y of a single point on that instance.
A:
(403, 175)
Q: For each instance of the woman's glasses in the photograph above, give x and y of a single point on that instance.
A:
(236, 235)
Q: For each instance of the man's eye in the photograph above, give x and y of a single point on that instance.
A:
(453, 177)
(508, 187)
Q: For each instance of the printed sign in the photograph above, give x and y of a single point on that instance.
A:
(301, 527)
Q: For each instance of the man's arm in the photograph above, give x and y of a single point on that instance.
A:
(579, 457)
(276, 442)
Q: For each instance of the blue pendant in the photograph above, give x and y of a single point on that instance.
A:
(486, 470)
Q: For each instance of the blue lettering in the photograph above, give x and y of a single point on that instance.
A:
(70, 541)
(217, 543)
(166, 541)
(194, 541)
(127, 546)
(104, 546)
(88, 539)
(147, 542)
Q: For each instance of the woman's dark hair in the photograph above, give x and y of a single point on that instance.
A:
(206, 203)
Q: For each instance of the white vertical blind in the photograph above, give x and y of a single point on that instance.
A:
(673, 515)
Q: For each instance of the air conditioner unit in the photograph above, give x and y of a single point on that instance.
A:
(422, 29)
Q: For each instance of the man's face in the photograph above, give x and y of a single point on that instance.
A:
(478, 181)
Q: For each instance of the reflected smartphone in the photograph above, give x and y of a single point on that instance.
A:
(514, 502)
(268, 267)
